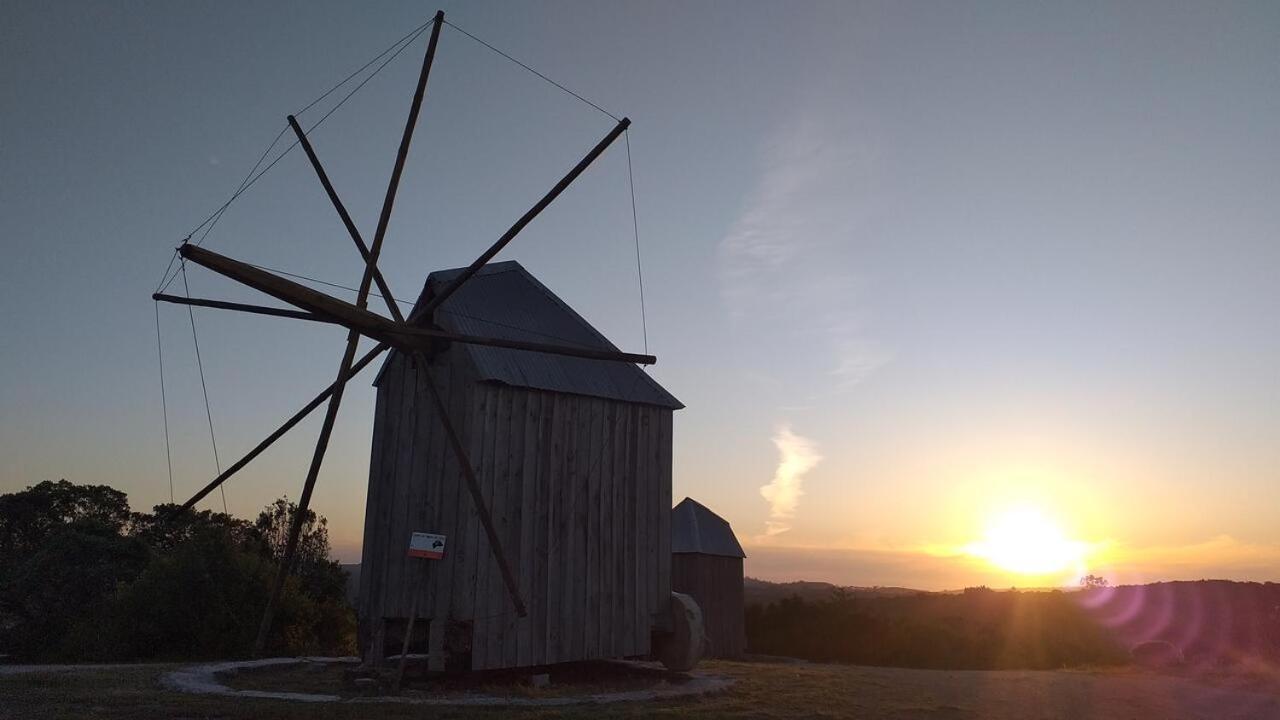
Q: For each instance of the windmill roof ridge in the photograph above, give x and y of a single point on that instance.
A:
(505, 300)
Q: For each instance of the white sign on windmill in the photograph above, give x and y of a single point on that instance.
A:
(426, 545)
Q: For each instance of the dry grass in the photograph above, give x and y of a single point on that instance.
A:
(763, 690)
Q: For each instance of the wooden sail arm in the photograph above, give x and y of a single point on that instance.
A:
(239, 307)
(389, 299)
(353, 338)
(477, 496)
(343, 313)
(548, 348)
(347, 222)
(284, 428)
(424, 332)
(452, 287)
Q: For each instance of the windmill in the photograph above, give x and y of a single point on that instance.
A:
(417, 336)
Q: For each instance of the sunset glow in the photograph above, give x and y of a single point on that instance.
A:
(951, 309)
(1023, 540)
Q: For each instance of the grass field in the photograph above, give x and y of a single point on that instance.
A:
(762, 690)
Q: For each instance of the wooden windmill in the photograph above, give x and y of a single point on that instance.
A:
(417, 338)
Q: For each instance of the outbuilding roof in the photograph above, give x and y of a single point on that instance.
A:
(504, 300)
(695, 529)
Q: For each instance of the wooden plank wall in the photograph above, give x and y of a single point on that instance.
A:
(381, 476)
(580, 492)
(715, 582)
(408, 443)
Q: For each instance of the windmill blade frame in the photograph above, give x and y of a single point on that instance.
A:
(417, 336)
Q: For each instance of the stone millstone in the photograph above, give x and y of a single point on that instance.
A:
(684, 647)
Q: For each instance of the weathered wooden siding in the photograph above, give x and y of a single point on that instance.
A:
(409, 442)
(579, 489)
(715, 582)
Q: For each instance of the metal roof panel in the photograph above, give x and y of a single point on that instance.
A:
(695, 529)
(504, 300)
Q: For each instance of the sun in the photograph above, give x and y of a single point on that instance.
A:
(1025, 541)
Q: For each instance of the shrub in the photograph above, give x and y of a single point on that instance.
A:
(196, 600)
(56, 598)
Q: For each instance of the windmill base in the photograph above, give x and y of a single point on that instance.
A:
(445, 646)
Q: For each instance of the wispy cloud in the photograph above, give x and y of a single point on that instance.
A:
(796, 456)
(788, 280)
(856, 360)
(786, 266)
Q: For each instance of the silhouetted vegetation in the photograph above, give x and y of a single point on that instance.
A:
(1208, 622)
(976, 629)
(84, 578)
(763, 592)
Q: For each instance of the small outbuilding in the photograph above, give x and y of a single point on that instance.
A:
(706, 563)
(573, 459)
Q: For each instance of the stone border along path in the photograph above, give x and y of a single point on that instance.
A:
(204, 679)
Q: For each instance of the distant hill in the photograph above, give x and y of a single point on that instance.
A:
(762, 592)
(758, 592)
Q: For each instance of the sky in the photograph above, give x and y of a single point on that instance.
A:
(915, 268)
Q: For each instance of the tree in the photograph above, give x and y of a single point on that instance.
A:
(318, 575)
(273, 525)
(169, 526)
(82, 577)
(29, 517)
(1090, 582)
(322, 576)
(62, 556)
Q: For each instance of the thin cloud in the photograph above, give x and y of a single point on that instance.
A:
(856, 360)
(796, 456)
(786, 265)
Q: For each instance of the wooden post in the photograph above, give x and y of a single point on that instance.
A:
(435, 643)
(376, 645)
(353, 339)
(408, 632)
